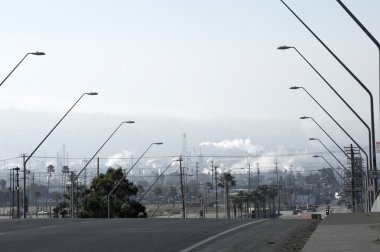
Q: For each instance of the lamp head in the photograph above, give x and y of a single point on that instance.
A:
(313, 139)
(316, 156)
(158, 143)
(284, 47)
(38, 53)
(92, 93)
(129, 122)
(295, 87)
(305, 117)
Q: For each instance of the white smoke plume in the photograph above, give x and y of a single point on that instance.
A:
(116, 159)
(237, 144)
(266, 159)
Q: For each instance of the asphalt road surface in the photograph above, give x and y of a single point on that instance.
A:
(151, 234)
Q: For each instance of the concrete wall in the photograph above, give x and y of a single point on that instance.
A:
(376, 205)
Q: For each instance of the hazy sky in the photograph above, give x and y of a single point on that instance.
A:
(191, 59)
(196, 60)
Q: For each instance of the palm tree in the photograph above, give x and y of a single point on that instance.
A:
(263, 195)
(256, 203)
(50, 170)
(226, 181)
(65, 171)
(273, 192)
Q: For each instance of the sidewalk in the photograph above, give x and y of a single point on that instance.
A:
(346, 232)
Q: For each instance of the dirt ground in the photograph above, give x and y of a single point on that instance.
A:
(298, 237)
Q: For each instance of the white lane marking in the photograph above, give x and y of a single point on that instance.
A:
(198, 244)
(48, 226)
(2, 233)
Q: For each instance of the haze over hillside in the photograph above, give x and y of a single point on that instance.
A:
(265, 141)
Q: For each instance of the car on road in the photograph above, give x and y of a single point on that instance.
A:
(297, 211)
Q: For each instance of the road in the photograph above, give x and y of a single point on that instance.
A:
(149, 234)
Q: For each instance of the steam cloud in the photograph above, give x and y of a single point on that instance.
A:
(238, 144)
(116, 159)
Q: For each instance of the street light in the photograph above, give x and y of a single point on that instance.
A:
(150, 187)
(364, 29)
(33, 53)
(25, 161)
(369, 199)
(352, 181)
(333, 177)
(125, 175)
(317, 139)
(308, 117)
(332, 118)
(319, 156)
(88, 162)
(374, 164)
(340, 97)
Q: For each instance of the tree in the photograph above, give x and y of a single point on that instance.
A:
(95, 204)
(237, 203)
(264, 195)
(56, 196)
(37, 194)
(61, 209)
(157, 191)
(65, 171)
(50, 170)
(226, 181)
(173, 193)
(3, 184)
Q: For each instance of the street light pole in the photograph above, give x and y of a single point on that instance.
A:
(317, 139)
(374, 164)
(25, 161)
(373, 40)
(331, 175)
(340, 97)
(88, 162)
(369, 199)
(332, 118)
(316, 156)
(33, 53)
(125, 175)
(150, 187)
(365, 31)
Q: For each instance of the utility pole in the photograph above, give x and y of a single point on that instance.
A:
(278, 192)
(97, 167)
(216, 192)
(212, 173)
(258, 174)
(249, 177)
(182, 191)
(34, 193)
(352, 179)
(196, 172)
(24, 191)
(18, 192)
(10, 191)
